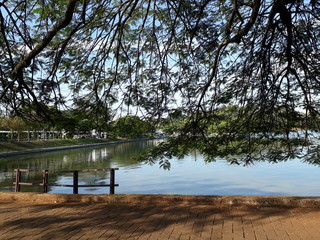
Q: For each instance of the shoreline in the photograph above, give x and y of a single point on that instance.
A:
(52, 149)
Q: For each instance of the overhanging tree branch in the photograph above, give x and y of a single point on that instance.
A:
(45, 41)
(235, 39)
(17, 73)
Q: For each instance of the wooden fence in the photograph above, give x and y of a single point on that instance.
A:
(45, 177)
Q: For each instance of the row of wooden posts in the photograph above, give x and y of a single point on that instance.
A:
(45, 179)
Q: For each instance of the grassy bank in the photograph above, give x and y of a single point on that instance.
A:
(18, 146)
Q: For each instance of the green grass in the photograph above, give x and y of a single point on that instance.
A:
(18, 146)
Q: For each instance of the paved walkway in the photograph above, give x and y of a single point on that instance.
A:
(29, 220)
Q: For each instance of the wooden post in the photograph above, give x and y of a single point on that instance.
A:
(45, 181)
(18, 179)
(75, 182)
(112, 180)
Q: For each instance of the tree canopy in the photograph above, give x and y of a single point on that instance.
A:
(157, 57)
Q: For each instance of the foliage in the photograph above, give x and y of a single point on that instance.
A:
(14, 124)
(151, 58)
(131, 127)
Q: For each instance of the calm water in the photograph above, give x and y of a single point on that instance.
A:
(190, 175)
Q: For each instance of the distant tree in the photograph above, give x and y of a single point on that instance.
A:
(16, 125)
(91, 115)
(4, 123)
(131, 127)
(173, 123)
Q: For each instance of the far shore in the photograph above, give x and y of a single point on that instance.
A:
(20, 148)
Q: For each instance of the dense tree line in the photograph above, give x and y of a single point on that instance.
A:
(128, 127)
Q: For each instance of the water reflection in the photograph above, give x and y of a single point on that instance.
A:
(88, 158)
(188, 175)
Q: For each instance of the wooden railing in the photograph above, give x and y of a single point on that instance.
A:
(45, 177)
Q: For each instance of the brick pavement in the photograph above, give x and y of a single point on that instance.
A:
(68, 221)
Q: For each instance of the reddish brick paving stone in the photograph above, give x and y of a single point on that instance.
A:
(137, 221)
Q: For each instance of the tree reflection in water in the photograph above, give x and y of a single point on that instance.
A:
(238, 172)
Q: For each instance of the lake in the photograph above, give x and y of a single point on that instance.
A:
(190, 175)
